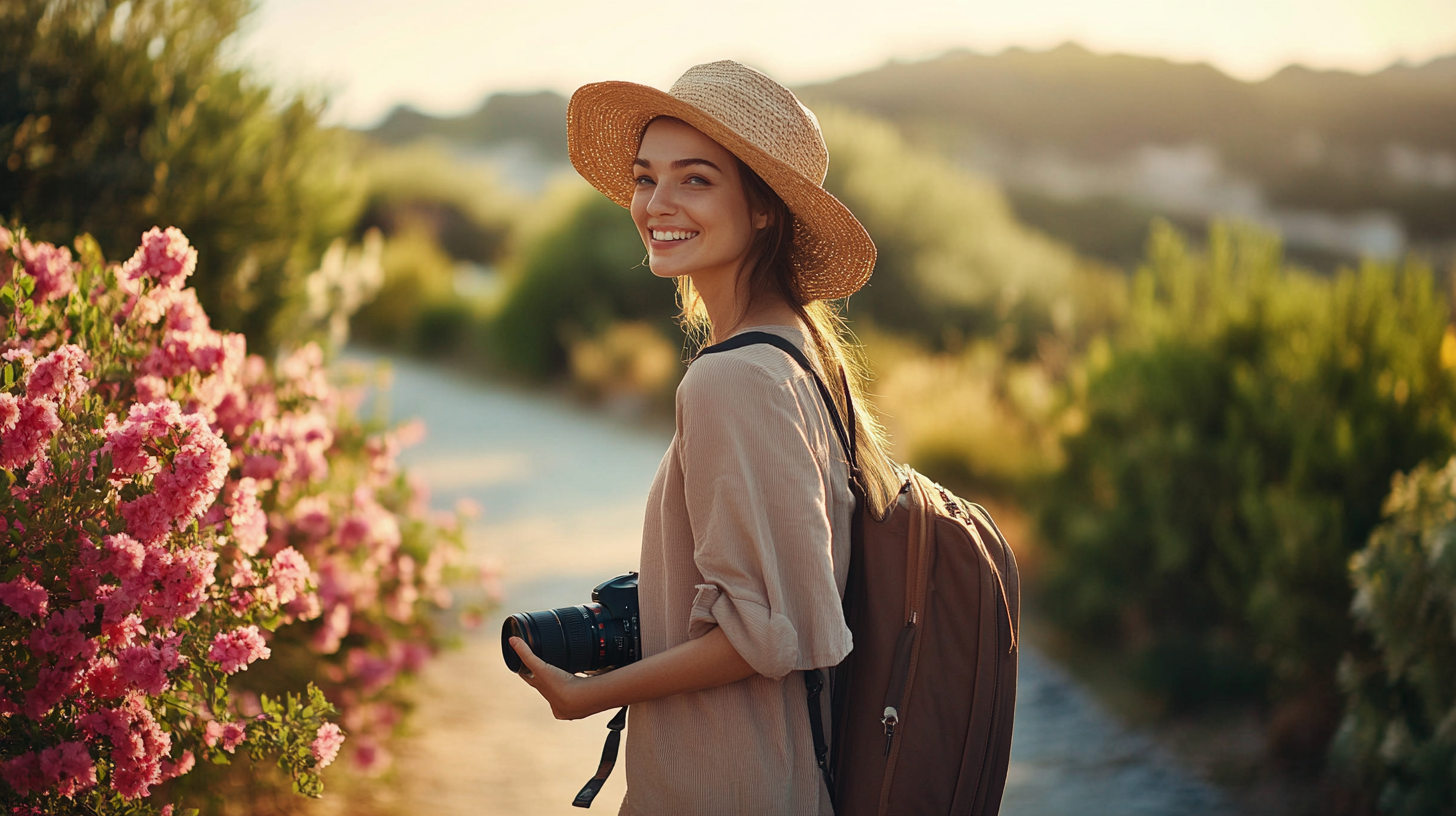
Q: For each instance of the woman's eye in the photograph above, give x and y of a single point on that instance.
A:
(696, 180)
(643, 180)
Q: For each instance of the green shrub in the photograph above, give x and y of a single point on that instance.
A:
(581, 272)
(1399, 732)
(417, 276)
(444, 328)
(1236, 440)
(119, 115)
(954, 263)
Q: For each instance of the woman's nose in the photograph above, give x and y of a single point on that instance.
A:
(662, 202)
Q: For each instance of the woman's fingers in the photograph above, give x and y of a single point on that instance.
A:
(530, 663)
(550, 681)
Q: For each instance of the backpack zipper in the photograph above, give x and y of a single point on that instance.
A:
(907, 650)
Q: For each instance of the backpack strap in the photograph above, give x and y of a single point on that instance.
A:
(847, 439)
(813, 679)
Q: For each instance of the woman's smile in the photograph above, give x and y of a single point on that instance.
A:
(668, 237)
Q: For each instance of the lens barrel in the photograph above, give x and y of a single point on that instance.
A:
(572, 638)
(592, 637)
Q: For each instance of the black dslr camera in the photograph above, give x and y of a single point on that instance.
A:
(594, 637)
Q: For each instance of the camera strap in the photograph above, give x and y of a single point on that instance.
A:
(609, 761)
(814, 684)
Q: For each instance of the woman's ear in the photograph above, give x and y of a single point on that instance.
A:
(761, 219)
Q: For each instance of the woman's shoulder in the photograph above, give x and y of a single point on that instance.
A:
(761, 371)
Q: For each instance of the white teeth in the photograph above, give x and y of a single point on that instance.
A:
(672, 235)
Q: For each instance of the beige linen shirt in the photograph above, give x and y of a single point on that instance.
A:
(747, 529)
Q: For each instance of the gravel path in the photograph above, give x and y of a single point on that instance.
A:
(563, 491)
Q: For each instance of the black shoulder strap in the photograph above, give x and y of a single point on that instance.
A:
(846, 439)
(814, 679)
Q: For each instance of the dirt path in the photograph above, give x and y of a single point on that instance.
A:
(563, 491)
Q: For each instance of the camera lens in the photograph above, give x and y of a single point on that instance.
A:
(603, 634)
(562, 637)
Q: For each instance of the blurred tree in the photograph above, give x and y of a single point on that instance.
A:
(1237, 442)
(1399, 731)
(954, 263)
(117, 115)
(582, 271)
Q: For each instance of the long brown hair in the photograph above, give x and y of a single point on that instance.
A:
(771, 273)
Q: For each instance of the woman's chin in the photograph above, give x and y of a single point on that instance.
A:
(664, 270)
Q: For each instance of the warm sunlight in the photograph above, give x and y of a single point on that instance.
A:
(445, 55)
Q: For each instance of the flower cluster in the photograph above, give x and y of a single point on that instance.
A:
(174, 512)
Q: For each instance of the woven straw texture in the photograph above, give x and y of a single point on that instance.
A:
(755, 119)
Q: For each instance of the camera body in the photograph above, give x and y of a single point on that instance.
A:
(604, 634)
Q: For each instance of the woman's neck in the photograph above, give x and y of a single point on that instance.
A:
(727, 315)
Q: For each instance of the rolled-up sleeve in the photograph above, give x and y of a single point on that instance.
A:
(756, 486)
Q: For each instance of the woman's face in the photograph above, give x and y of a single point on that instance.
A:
(689, 205)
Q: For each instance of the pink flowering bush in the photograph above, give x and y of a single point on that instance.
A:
(202, 554)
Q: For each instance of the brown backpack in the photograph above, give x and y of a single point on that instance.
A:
(923, 706)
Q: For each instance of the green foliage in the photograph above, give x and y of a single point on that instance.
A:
(118, 116)
(418, 276)
(1399, 732)
(1235, 441)
(954, 263)
(583, 271)
(421, 188)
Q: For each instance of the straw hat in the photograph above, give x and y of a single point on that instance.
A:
(755, 119)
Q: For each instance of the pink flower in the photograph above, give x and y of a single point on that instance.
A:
(172, 770)
(145, 424)
(54, 683)
(311, 516)
(9, 412)
(52, 268)
(60, 373)
(104, 679)
(124, 556)
(24, 774)
(70, 765)
(250, 523)
(165, 257)
(146, 666)
(150, 388)
(290, 573)
(181, 352)
(326, 744)
(27, 598)
(304, 370)
(327, 638)
(174, 584)
(234, 650)
(181, 492)
(138, 745)
(230, 734)
(33, 429)
(371, 758)
(62, 636)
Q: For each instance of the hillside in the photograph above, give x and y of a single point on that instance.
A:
(1090, 146)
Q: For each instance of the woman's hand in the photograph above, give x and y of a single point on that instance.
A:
(701, 663)
(564, 691)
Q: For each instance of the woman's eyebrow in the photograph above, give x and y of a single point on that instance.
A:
(677, 165)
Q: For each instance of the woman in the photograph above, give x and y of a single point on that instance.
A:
(746, 541)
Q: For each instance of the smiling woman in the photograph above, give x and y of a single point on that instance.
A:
(745, 552)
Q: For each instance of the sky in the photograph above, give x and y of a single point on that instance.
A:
(445, 56)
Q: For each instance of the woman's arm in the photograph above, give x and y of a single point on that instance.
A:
(701, 663)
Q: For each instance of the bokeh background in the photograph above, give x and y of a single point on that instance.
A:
(1167, 285)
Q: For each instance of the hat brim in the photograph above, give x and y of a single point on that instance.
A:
(832, 254)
